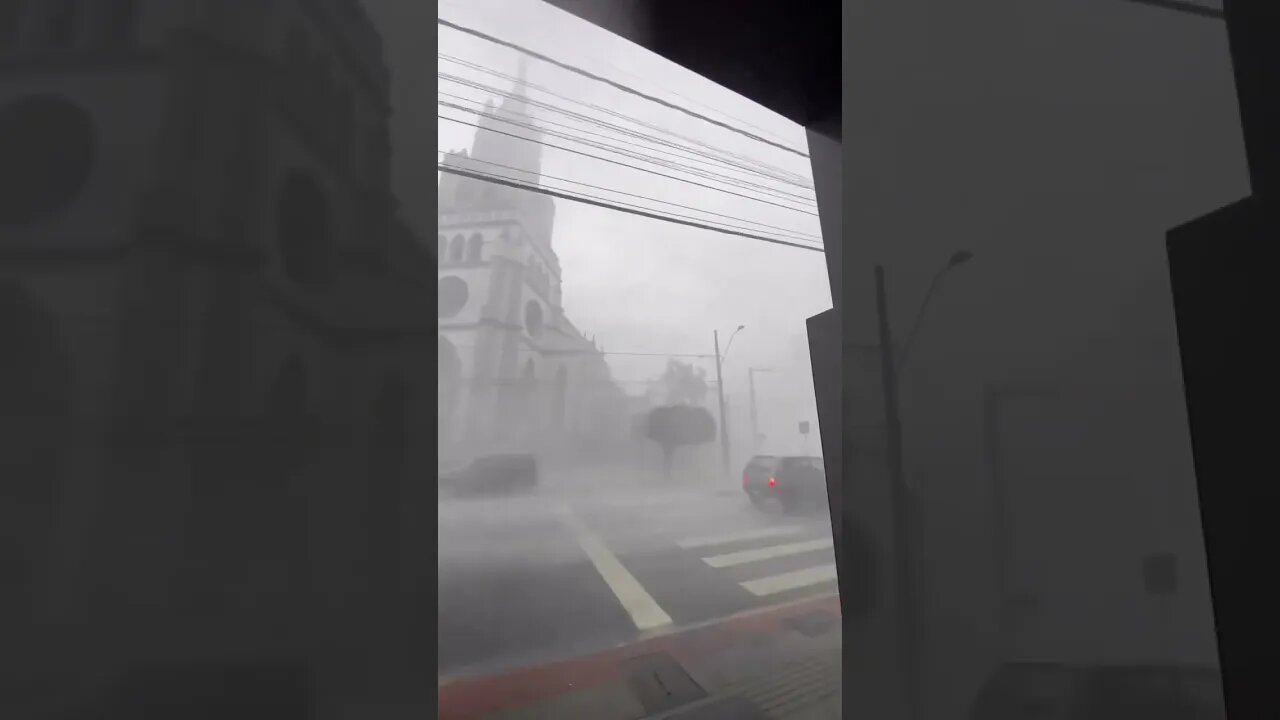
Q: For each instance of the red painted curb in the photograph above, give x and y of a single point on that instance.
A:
(472, 698)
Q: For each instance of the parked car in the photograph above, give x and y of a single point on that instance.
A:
(791, 482)
(491, 475)
(1020, 691)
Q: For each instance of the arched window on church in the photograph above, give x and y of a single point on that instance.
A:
(474, 248)
(457, 249)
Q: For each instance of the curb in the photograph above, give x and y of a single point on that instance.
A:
(475, 698)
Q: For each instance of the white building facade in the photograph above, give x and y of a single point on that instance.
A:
(514, 372)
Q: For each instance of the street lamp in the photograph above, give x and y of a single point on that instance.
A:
(902, 501)
(730, 343)
(957, 259)
(724, 431)
(751, 385)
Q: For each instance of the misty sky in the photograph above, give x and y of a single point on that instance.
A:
(642, 285)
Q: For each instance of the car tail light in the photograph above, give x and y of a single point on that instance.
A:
(746, 479)
(773, 482)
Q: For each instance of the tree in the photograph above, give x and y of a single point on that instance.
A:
(681, 384)
(671, 426)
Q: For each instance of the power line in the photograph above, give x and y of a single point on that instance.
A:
(520, 382)
(703, 356)
(612, 352)
(544, 176)
(759, 165)
(726, 160)
(789, 231)
(542, 33)
(791, 234)
(633, 155)
(617, 85)
(611, 206)
(646, 148)
(622, 164)
(590, 120)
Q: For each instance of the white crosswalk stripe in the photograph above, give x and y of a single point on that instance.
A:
(794, 580)
(743, 557)
(644, 610)
(764, 557)
(802, 550)
(727, 538)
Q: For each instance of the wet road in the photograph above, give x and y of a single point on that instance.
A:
(524, 581)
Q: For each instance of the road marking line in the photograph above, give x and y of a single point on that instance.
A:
(644, 610)
(767, 553)
(775, 584)
(709, 540)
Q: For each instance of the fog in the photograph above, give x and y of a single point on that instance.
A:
(623, 295)
(217, 282)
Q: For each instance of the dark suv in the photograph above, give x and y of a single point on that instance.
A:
(793, 482)
(490, 475)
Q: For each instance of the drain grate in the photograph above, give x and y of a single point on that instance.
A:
(813, 624)
(660, 684)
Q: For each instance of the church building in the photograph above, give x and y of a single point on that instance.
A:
(514, 371)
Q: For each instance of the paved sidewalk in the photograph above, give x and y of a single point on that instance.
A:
(780, 663)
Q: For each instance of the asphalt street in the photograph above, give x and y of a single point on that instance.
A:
(529, 580)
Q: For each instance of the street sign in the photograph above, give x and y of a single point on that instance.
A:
(804, 427)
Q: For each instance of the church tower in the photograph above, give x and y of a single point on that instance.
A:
(499, 280)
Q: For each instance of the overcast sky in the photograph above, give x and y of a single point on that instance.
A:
(643, 285)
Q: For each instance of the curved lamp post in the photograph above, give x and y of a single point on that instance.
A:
(724, 430)
(902, 500)
(957, 259)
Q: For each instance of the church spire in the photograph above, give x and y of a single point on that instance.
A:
(519, 102)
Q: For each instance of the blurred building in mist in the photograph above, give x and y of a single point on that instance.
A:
(214, 392)
(514, 371)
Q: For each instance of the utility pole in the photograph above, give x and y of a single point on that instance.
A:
(903, 529)
(724, 431)
(755, 421)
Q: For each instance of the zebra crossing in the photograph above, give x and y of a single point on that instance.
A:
(810, 546)
(675, 559)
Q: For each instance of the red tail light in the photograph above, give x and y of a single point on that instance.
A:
(773, 482)
(746, 479)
